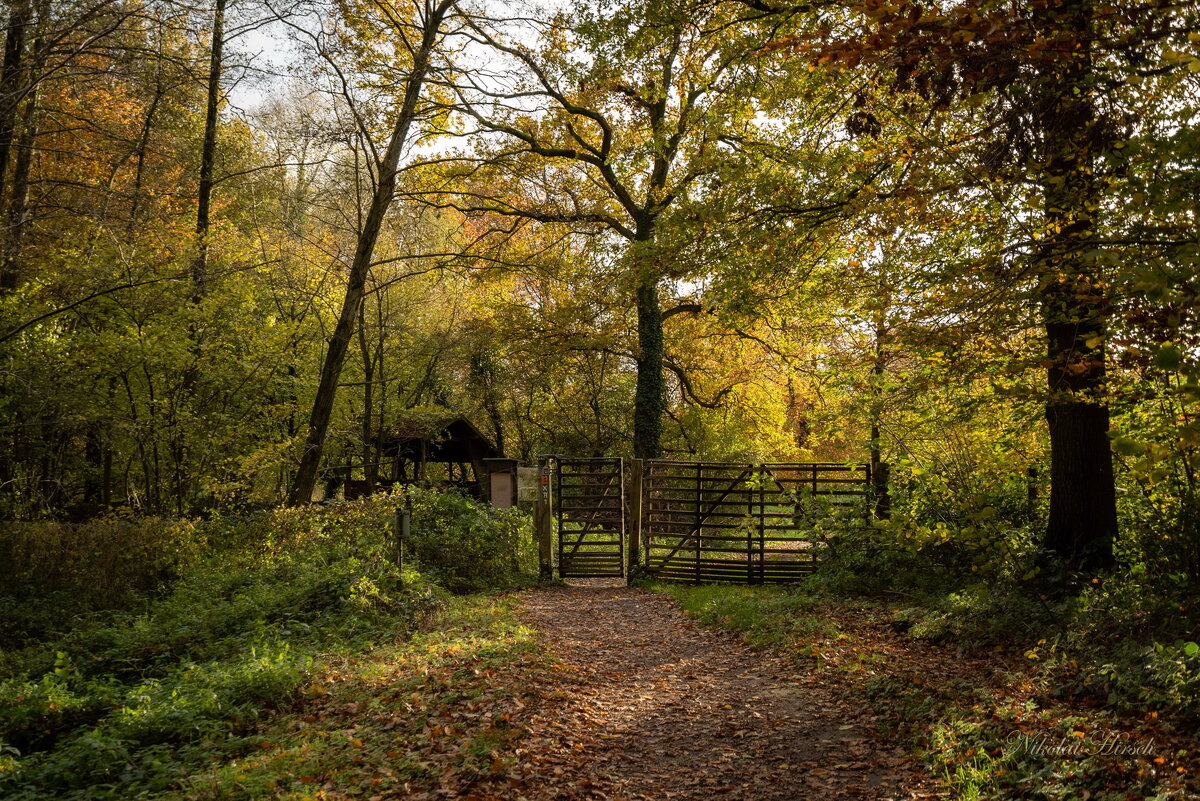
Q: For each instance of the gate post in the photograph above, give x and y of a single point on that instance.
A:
(542, 521)
(633, 526)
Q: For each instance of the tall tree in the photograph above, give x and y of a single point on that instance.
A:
(428, 21)
(208, 150)
(1075, 303)
(632, 103)
(1039, 89)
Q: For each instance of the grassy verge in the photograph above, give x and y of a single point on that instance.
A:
(181, 692)
(987, 723)
(436, 709)
(126, 704)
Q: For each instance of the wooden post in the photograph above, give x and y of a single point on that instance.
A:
(403, 528)
(699, 519)
(633, 526)
(879, 487)
(541, 521)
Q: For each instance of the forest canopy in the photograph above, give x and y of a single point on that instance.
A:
(244, 241)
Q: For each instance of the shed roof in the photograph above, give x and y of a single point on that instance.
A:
(448, 439)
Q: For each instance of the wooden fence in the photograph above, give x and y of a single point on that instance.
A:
(741, 522)
(695, 521)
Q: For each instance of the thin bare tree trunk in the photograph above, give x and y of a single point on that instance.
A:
(208, 152)
(369, 460)
(381, 199)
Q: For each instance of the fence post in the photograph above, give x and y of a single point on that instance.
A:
(633, 526)
(879, 487)
(403, 528)
(1031, 493)
(541, 521)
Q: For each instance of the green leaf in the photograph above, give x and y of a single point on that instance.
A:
(1127, 447)
(1168, 358)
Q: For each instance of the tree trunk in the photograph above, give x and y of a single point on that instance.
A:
(381, 199)
(11, 84)
(650, 395)
(140, 158)
(1082, 522)
(208, 153)
(877, 371)
(483, 380)
(16, 218)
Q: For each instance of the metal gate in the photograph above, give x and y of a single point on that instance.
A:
(725, 521)
(589, 506)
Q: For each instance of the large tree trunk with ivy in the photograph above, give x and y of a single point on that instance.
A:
(650, 394)
(1082, 523)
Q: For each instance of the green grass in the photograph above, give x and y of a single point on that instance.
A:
(766, 616)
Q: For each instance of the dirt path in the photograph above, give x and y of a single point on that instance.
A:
(651, 706)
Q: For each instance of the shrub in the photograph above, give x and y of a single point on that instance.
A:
(100, 562)
(462, 544)
(466, 546)
(53, 571)
(906, 554)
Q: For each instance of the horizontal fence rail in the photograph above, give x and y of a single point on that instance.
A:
(741, 522)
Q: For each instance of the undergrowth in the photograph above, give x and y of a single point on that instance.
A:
(127, 702)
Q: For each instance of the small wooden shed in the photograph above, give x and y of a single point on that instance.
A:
(454, 442)
(446, 451)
